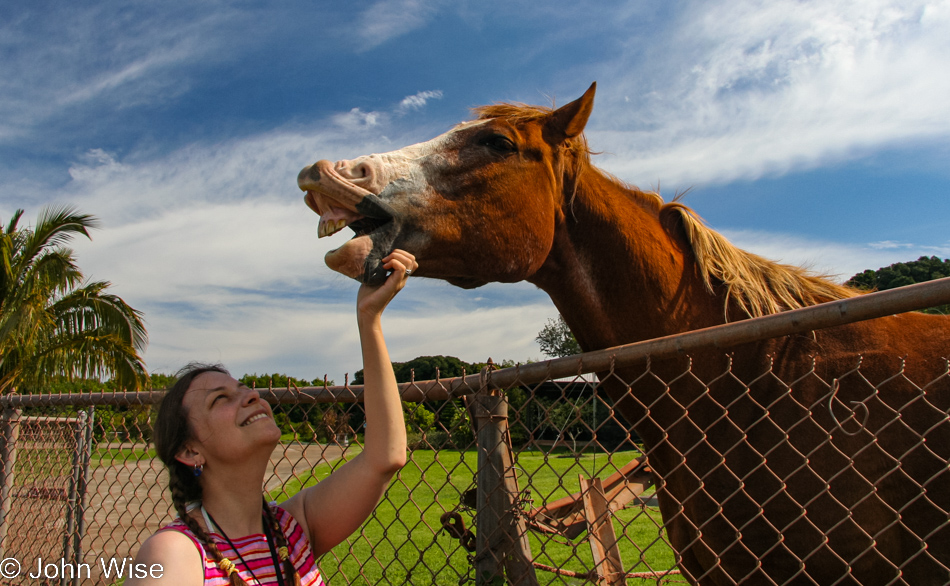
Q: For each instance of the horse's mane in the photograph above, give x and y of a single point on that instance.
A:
(756, 285)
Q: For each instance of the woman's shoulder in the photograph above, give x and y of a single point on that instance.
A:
(174, 554)
(177, 531)
(174, 538)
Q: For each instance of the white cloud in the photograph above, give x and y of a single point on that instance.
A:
(840, 260)
(742, 89)
(389, 19)
(889, 244)
(356, 119)
(103, 55)
(419, 100)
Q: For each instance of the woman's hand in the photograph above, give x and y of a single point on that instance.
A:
(371, 301)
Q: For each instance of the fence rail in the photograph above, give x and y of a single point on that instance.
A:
(531, 475)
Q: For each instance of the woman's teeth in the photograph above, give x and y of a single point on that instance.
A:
(255, 418)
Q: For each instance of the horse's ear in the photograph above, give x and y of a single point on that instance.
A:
(569, 120)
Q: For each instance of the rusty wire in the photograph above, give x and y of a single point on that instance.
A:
(126, 501)
(83, 485)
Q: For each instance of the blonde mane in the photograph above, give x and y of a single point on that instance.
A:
(756, 285)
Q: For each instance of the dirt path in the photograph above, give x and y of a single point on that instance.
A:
(127, 502)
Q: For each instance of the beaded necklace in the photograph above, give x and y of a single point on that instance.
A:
(228, 566)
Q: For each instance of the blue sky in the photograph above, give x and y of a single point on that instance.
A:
(811, 132)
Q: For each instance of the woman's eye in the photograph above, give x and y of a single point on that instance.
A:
(500, 144)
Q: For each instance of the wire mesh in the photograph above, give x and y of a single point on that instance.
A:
(560, 434)
(676, 470)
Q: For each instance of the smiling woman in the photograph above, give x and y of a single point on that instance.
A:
(216, 436)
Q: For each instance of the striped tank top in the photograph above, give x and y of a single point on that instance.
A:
(256, 552)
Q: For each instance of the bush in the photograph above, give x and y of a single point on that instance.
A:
(437, 440)
(460, 430)
(415, 441)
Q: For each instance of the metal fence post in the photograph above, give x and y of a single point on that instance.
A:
(83, 485)
(79, 433)
(502, 546)
(9, 432)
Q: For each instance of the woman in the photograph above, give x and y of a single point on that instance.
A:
(216, 436)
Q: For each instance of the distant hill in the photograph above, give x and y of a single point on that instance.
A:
(904, 273)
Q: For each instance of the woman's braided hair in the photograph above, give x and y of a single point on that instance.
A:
(172, 430)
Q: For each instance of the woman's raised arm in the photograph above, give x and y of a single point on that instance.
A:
(339, 504)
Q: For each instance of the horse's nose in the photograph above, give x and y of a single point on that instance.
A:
(309, 177)
(361, 171)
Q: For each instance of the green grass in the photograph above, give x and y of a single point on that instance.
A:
(114, 456)
(38, 466)
(402, 543)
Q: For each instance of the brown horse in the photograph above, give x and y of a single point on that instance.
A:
(804, 459)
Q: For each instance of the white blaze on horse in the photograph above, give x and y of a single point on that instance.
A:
(756, 479)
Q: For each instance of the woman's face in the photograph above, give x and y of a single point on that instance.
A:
(229, 421)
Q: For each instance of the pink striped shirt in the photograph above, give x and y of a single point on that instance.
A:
(256, 552)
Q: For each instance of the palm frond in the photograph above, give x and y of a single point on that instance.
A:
(55, 227)
(14, 220)
(51, 324)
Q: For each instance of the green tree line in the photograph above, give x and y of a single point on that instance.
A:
(904, 273)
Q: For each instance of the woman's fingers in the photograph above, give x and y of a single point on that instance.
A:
(400, 261)
(402, 264)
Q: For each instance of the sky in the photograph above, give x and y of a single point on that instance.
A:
(810, 132)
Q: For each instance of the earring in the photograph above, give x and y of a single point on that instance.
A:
(199, 468)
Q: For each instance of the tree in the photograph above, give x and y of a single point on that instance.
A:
(425, 368)
(904, 273)
(279, 381)
(556, 339)
(53, 324)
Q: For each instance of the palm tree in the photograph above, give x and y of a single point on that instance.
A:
(54, 325)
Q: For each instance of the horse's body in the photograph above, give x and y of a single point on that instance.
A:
(768, 472)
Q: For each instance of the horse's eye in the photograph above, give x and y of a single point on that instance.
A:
(499, 143)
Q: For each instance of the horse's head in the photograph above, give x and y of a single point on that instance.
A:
(475, 205)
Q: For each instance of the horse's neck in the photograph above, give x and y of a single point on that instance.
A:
(616, 275)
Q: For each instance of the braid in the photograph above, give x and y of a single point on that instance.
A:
(180, 502)
(290, 572)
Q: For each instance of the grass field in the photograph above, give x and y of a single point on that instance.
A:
(402, 542)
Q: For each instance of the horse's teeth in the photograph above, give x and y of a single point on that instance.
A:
(330, 228)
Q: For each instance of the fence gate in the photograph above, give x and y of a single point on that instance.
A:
(44, 463)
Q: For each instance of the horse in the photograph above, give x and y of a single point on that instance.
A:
(806, 459)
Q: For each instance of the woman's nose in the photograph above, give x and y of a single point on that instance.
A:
(251, 396)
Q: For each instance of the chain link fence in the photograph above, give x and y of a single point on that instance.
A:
(548, 474)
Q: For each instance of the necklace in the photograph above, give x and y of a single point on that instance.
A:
(209, 520)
